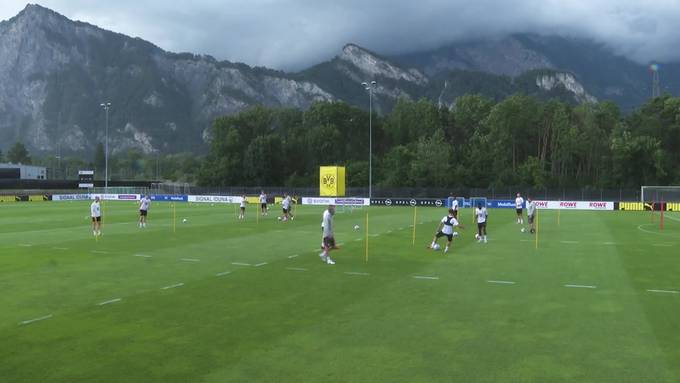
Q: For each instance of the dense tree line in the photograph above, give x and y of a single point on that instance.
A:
(478, 142)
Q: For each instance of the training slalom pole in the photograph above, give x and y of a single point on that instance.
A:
(366, 259)
(537, 231)
(415, 215)
(661, 220)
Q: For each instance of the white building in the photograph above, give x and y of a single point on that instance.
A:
(22, 172)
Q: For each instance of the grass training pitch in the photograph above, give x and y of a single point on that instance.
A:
(215, 299)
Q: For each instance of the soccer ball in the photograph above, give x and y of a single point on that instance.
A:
(184, 220)
(477, 237)
(522, 230)
(436, 247)
(279, 218)
(356, 227)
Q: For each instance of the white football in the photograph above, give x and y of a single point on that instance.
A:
(436, 247)
(184, 220)
(476, 236)
(356, 227)
(522, 230)
(279, 218)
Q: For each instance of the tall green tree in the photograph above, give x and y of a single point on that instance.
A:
(18, 154)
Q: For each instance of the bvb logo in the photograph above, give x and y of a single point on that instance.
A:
(329, 181)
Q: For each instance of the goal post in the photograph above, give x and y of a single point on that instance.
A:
(659, 194)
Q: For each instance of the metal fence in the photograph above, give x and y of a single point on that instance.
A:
(573, 194)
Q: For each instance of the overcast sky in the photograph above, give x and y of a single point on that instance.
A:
(293, 34)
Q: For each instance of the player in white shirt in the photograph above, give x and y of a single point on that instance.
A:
(328, 235)
(286, 208)
(482, 214)
(445, 229)
(263, 203)
(144, 204)
(244, 201)
(519, 207)
(96, 214)
(531, 215)
(454, 206)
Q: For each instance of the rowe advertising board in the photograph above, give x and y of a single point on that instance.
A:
(574, 205)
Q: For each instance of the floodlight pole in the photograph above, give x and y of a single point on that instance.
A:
(106, 106)
(370, 87)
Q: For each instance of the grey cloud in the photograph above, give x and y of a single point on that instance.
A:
(294, 34)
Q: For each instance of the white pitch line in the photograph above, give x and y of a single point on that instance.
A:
(109, 302)
(664, 291)
(142, 255)
(172, 286)
(222, 274)
(356, 273)
(261, 264)
(100, 252)
(293, 256)
(610, 243)
(661, 245)
(296, 269)
(502, 282)
(527, 240)
(424, 277)
(25, 245)
(35, 320)
(570, 242)
(60, 248)
(190, 260)
(358, 239)
(374, 235)
(241, 264)
(581, 286)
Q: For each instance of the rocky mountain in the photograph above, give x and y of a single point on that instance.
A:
(54, 73)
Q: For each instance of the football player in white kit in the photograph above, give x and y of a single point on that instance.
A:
(482, 215)
(286, 208)
(96, 214)
(531, 215)
(328, 235)
(445, 229)
(519, 207)
(263, 203)
(244, 201)
(144, 204)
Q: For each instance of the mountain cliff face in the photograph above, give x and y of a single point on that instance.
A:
(55, 72)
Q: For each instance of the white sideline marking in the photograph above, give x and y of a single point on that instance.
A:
(424, 277)
(569, 242)
(502, 282)
(100, 252)
(60, 248)
(581, 286)
(142, 255)
(356, 273)
(664, 291)
(190, 260)
(296, 269)
(109, 302)
(261, 264)
(25, 245)
(35, 320)
(222, 274)
(241, 264)
(172, 286)
(293, 256)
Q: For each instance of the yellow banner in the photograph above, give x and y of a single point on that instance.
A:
(8, 198)
(36, 198)
(332, 181)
